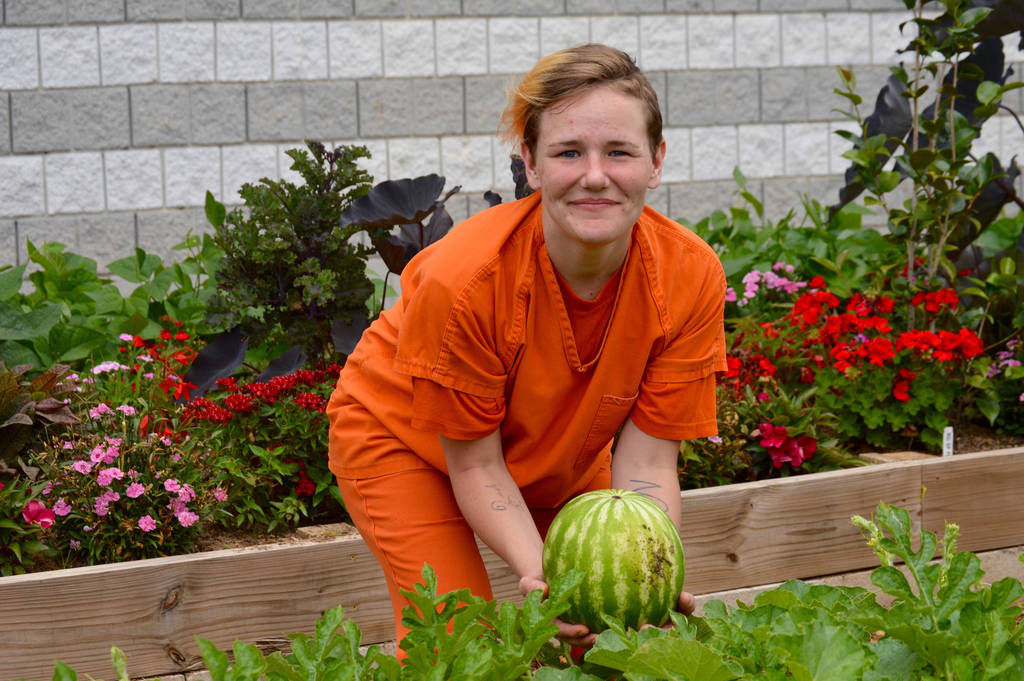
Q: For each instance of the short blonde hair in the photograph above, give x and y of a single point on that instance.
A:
(567, 73)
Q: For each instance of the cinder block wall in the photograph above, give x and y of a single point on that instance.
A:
(116, 116)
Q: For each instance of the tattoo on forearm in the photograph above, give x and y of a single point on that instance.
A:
(644, 486)
(503, 502)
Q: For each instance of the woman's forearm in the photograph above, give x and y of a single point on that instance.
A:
(492, 504)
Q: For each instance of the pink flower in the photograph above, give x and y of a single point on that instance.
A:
(36, 513)
(48, 489)
(186, 494)
(98, 454)
(101, 506)
(67, 445)
(62, 508)
(82, 467)
(135, 490)
(126, 409)
(772, 436)
(171, 485)
(730, 295)
(108, 475)
(220, 494)
(126, 337)
(99, 410)
(186, 517)
(147, 524)
(110, 496)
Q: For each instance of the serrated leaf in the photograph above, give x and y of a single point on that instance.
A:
(673, 658)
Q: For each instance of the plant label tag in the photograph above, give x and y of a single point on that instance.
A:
(947, 441)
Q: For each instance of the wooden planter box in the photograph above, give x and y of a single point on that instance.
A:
(736, 536)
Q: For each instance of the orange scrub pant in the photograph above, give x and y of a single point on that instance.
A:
(409, 518)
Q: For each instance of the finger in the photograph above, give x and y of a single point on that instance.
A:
(687, 603)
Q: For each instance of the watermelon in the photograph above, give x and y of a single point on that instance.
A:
(629, 551)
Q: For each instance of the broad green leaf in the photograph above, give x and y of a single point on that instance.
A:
(62, 672)
(896, 662)
(10, 282)
(215, 211)
(215, 659)
(988, 92)
(17, 325)
(672, 658)
(828, 652)
(569, 674)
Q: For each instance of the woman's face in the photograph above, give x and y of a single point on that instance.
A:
(592, 166)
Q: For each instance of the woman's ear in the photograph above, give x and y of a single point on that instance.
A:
(659, 162)
(530, 166)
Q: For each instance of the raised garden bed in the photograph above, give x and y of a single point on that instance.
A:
(737, 536)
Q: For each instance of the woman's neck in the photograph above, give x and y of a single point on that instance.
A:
(587, 270)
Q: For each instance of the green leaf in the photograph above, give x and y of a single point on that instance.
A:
(888, 180)
(215, 211)
(673, 658)
(17, 325)
(988, 405)
(216, 660)
(119, 663)
(827, 652)
(988, 92)
(62, 672)
(10, 282)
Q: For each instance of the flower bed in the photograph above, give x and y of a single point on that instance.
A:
(738, 535)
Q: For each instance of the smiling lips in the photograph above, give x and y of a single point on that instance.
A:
(593, 204)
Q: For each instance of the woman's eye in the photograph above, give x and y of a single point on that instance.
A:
(618, 152)
(568, 153)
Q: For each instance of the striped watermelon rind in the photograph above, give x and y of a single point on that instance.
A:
(630, 552)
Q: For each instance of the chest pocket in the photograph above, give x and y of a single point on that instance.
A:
(611, 413)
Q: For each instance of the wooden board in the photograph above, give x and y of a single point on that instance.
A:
(735, 536)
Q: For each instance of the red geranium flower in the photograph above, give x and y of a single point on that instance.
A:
(36, 513)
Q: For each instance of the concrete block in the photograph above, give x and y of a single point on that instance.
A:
(186, 52)
(274, 111)
(376, 165)
(8, 243)
(783, 95)
(95, 11)
(723, 6)
(217, 113)
(694, 201)
(658, 198)
(801, 5)
(1013, 140)
(714, 152)
(886, 38)
(783, 194)
(5, 123)
(385, 107)
(761, 150)
(74, 182)
(622, 32)
(413, 157)
(380, 8)
(557, 33)
(128, 54)
(514, 44)
(22, 180)
(159, 114)
(149, 10)
(189, 172)
(848, 35)
(689, 6)
(837, 146)
(159, 231)
(614, 6)
(248, 163)
(462, 46)
(501, 152)
(272, 9)
(458, 207)
(737, 97)
(531, 8)
(59, 120)
(300, 50)
(806, 148)
(758, 40)
(690, 98)
(34, 12)
(710, 42)
(434, 8)
(244, 50)
(212, 9)
(990, 140)
(134, 179)
(677, 155)
(330, 110)
(466, 161)
(69, 56)
(659, 81)
(355, 49)
(408, 48)
(485, 100)
(17, 54)
(857, 5)
(803, 39)
(104, 238)
(438, 106)
(821, 98)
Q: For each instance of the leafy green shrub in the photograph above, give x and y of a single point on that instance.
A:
(289, 271)
(29, 406)
(22, 520)
(268, 442)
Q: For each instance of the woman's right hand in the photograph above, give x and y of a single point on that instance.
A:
(573, 634)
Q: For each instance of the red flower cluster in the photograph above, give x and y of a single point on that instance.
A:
(310, 401)
(785, 449)
(242, 402)
(202, 409)
(934, 301)
(809, 307)
(943, 346)
(901, 386)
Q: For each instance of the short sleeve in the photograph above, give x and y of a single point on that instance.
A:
(454, 414)
(448, 334)
(677, 393)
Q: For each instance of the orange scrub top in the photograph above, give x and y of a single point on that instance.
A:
(482, 315)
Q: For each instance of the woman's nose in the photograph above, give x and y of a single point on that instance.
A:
(595, 176)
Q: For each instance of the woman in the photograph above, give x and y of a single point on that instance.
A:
(527, 338)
